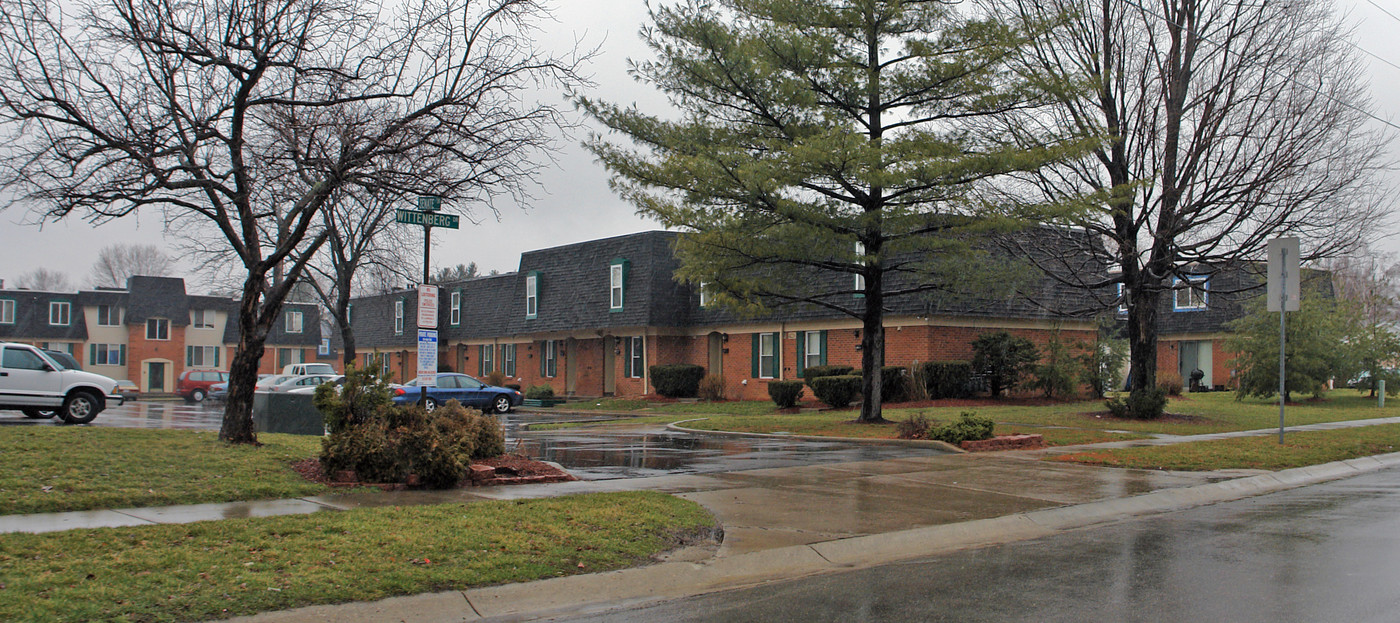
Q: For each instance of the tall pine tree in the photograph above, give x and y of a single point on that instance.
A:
(823, 154)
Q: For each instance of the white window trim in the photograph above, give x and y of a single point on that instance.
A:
(532, 296)
(457, 308)
(636, 357)
(763, 371)
(113, 316)
(1203, 291)
(398, 317)
(705, 294)
(7, 311)
(1122, 300)
(859, 281)
(106, 353)
(158, 324)
(65, 313)
(813, 348)
(508, 359)
(615, 292)
(294, 327)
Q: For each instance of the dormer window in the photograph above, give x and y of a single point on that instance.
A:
(617, 283)
(60, 313)
(457, 307)
(202, 319)
(532, 295)
(1122, 300)
(398, 317)
(705, 297)
(157, 329)
(1190, 294)
(859, 284)
(294, 322)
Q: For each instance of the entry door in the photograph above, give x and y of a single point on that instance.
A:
(1195, 356)
(716, 360)
(609, 365)
(155, 377)
(571, 366)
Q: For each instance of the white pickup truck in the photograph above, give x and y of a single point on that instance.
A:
(37, 385)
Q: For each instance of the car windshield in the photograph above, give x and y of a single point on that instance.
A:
(64, 360)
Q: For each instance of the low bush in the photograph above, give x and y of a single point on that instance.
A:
(540, 392)
(918, 389)
(785, 394)
(947, 379)
(711, 388)
(1169, 382)
(394, 442)
(1004, 358)
(968, 427)
(361, 398)
(916, 427)
(835, 391)
(1143, 404)
(894, 384)
(495, 377)
(680, 380)
(816, 372)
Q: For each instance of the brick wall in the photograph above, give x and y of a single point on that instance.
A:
(140, 351)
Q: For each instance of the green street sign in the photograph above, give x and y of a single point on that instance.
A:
(428, 219)
(430, 204)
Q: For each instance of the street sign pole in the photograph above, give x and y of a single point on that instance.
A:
(1284, 295)
(426, 204)
(1282, 339)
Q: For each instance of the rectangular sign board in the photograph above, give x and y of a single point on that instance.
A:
(427, 306)
(429, 204)
(1284, 288)
(430, 219)
(427, 357)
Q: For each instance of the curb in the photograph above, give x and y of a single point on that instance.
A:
(917, 443)
(601, 592)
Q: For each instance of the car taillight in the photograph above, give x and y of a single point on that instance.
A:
(399, 391)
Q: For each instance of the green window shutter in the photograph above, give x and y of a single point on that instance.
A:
(543, 366)
(123, 355)
(92, 354)
(801, 353)
(216, 356)
(823, 339)
(189, 355)
(480, 361)
(755, 356)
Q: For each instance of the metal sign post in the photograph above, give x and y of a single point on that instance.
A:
(1283, 296)
(427, 215)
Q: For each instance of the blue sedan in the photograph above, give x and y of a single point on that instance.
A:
(462, 388)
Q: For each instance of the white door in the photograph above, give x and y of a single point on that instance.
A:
(26, 379)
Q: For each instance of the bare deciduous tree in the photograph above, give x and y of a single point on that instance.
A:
(241, 119)
(1225, 123)
(44, 280)
(115, 263)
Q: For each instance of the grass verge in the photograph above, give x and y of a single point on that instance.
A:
(64, 468)
(1264, 452)
(220, 569)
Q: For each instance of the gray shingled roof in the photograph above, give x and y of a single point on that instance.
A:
(157, 297)
(32, 316)
(1230, 292)
(310, 322)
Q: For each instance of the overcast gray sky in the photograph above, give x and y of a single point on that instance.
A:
(574, 203)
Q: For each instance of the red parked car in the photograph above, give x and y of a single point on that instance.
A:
(193, 385)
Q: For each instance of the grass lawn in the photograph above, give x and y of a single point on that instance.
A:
(68, 468)
(1065, 423)
(1264, 452)
(220, 569)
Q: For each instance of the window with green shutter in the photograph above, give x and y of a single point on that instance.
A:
(617, 284)
(765, 355)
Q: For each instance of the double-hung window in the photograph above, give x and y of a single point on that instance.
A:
(636, 357)
(617, 284)
(107, 354)
(811, 350)
(508, 359)
(60, 313)
(1190, 294)
(549, 358)
(532, 295)
(294, 320)
(705, 294)
(765, 355)
(202, 356)
(486, 363)
(157, 329)
(859, 284)
(456, 307)
(398, 317)
(7, 311)
(108, 315)
(202, 319)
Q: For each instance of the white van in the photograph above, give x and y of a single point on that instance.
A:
(301, 369)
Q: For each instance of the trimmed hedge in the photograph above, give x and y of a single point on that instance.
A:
(539, 392)
(1142, 404)
(894, 385)
(948, 379)
(836, 391)
(678, 380)
(785, 393)
(816, 372)
(969, 427)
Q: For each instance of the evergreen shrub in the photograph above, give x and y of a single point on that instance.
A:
(1142, 404)
(680, 380)
(968, 427)
(785, 394)
(836, 391)
(947, 379)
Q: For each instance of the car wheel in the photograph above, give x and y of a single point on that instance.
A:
(429, 404)
(80, 408)
(39, 414)
(502, 404)
(197, 395)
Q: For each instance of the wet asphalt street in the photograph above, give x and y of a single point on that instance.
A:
(1328, 552)
(589, 455)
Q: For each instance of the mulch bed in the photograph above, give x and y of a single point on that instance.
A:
(1174, 418)
(507, 469)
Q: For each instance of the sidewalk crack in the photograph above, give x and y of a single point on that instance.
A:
(472, 605)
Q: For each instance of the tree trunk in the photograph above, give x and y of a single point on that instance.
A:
(342, 319)
(1142, 337)
(243, 372)
(872, 353)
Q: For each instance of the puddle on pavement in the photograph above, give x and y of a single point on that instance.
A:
(588, 454)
